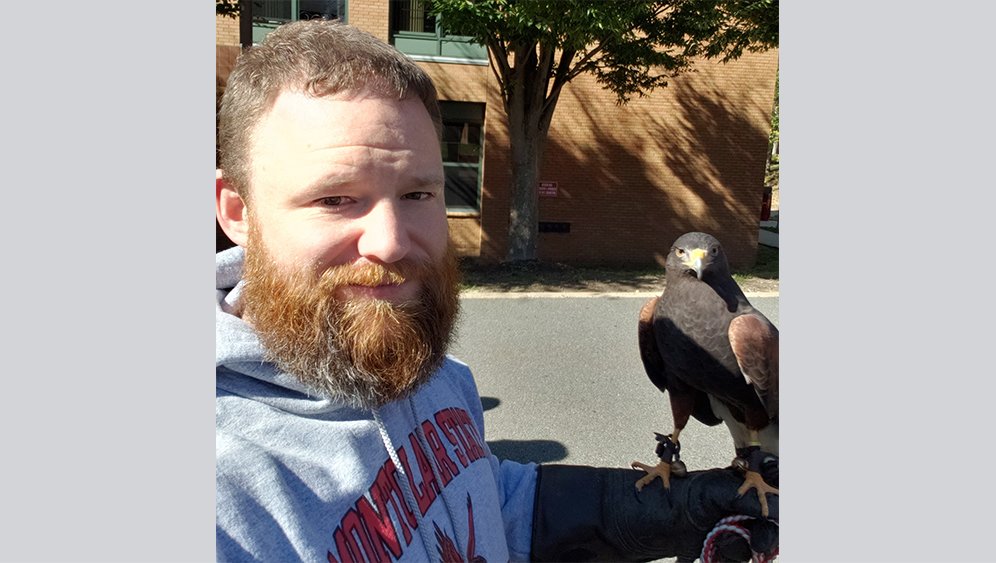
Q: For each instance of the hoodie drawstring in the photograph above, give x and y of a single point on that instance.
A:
(435, 473)
(405, 487)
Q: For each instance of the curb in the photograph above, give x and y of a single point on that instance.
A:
(578, 294)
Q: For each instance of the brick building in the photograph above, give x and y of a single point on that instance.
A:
(619, 183)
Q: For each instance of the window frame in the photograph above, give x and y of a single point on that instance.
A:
(261, 28)
(464, 113)
(434, 46)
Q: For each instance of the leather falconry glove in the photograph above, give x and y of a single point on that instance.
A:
(596, 514)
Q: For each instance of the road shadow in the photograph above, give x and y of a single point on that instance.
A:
(489, 403)
(524, 451)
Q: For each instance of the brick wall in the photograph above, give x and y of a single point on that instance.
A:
(227, 49)
(226, 30)
(370, 16)
(465, 234)
(633, 178)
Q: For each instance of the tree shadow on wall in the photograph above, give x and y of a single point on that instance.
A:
(713, 156)
(724, 154)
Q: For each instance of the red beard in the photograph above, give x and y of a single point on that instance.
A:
(367, 352)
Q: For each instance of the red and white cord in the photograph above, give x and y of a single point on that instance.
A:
(733, 525)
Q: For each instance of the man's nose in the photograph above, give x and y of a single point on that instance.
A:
(384, 237)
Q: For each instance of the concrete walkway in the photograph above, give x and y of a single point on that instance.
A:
(765, 237)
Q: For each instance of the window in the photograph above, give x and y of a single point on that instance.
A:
(461, 145)
(416, 32)
(268, 14)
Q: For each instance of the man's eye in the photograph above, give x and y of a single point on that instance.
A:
(333, 201)
(418, 196)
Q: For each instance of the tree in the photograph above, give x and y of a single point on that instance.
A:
(771, 171)
(631, 47)
(228, 8)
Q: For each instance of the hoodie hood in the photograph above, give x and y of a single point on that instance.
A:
(239, 354)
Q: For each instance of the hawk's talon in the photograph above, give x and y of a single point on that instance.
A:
(668, 450)
(753, 480)
(662, 470)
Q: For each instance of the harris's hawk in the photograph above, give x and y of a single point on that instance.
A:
(714, 355)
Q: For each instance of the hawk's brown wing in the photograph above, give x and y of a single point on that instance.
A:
(755, 343)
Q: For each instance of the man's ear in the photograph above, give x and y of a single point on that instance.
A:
(231, 210)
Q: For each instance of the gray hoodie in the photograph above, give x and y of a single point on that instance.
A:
(300, 477)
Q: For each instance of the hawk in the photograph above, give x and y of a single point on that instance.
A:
(715, 356)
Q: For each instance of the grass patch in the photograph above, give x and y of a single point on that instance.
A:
(766, 266)
(555, 276)
(540, 276)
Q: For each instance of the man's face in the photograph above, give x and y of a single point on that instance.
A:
(349, 281)
(348, 180)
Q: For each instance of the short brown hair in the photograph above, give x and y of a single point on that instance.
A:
(320, 58)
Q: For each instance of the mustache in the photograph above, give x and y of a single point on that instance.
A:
(372, 274)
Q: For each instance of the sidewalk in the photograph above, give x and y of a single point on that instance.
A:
(767, 231)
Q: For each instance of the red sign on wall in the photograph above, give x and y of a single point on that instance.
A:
(548, 189)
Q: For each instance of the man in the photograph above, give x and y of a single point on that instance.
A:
(344, 432)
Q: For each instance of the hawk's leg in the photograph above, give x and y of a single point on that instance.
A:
(753, 479)
(669, 452)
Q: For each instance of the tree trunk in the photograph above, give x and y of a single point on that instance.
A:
(523, 225)
(529, 110)
(528, 125)
(245, 24)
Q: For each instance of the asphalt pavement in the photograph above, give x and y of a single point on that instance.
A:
(561, 380)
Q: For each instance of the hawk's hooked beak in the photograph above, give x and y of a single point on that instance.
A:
(694, 261)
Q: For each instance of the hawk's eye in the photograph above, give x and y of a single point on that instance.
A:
(714, 250)
(679, 251)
